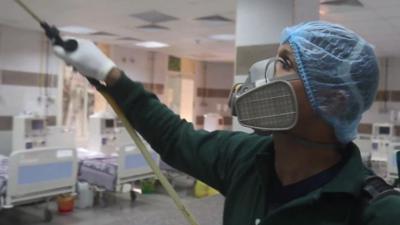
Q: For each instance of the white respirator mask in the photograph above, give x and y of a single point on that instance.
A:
(265, 102)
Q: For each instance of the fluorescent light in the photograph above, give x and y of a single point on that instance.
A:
(137, 190)
(77, 30)
(322, 12)
(222, 37)
(152, 44)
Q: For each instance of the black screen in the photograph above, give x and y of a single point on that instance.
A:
(384, 130)
(109, 123)
(37, 124)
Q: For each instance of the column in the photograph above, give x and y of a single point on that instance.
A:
(259, 24)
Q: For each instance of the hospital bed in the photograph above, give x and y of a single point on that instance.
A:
(36, 176)
(364, 144)
(110, 172)
(3, 174)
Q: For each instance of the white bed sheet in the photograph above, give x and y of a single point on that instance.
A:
(3, 174)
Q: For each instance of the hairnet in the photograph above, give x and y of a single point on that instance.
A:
(339, 71)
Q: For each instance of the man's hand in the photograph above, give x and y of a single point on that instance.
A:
(88, 60)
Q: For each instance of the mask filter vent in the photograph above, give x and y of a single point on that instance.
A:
(271, 106)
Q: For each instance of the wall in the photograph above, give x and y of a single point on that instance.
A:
(212, 91)
(25, 69)
(388, 98)
(147, 67)
(261, 40)
(23, 61)
(151, 69)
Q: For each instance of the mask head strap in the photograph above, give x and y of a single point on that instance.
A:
(315, 144)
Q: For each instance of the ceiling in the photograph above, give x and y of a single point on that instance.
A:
(186, 37)
(377, 21)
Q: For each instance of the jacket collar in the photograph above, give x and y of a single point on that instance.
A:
(348, 181)
(351, 177)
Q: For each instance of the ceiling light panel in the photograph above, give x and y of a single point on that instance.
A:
(153, 28)
(341, 2)
(222, 37)
(152, 44)
(215, 18)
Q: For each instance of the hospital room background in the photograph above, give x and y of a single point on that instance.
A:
(45, 104)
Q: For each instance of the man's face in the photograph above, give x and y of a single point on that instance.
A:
(285, 66)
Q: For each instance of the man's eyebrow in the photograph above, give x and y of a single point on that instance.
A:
(284, 52)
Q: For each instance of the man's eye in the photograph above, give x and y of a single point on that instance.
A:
(286, 64)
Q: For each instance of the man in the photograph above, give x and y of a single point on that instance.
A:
(311, 96)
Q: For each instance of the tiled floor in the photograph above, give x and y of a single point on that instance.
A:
(152, 209)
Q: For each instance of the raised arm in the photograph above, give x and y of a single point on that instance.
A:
(209, 156)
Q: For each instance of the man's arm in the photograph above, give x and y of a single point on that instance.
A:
(385, 211)
(208, 156)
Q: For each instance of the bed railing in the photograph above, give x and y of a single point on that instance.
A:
(40, 174)
(132, 165)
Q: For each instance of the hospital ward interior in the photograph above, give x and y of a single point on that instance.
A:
(170, 112)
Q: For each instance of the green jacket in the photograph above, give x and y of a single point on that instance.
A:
(239, 166)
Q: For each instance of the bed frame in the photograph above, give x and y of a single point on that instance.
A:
(132, 166)
(40, 174)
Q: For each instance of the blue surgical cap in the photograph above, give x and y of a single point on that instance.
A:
(339, 71)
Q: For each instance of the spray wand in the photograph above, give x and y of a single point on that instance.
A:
(52, 33)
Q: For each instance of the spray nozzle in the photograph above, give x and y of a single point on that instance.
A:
(54, 35)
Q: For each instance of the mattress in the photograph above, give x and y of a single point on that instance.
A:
(3, 174)
(99, 171)
(84, 154)
(102, 171)
(97, 168)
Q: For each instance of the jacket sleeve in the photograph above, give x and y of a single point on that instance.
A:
(385, 211)
(208, 156)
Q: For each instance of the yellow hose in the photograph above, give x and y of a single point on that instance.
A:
(146, 154)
